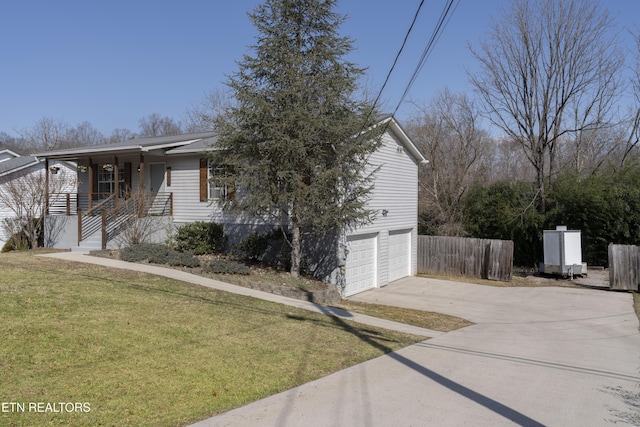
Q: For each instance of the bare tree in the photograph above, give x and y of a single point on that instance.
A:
(120, 135)
(24, 197)
(46, 134)
(548, 70)
(633, 130)
(154, 125)
(12, 143)
(205, 115)
(53, 134)
(83, 135)
(458, 150)
(508, 163)
(137, 228)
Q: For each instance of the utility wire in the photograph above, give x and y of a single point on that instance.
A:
(395, 61)
(445, 17)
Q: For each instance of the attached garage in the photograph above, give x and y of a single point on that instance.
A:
(385, 249)
(361, 268)
(399, 254)
(376, 259)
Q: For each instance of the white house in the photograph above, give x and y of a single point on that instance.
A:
(173, 172)
(22, 182)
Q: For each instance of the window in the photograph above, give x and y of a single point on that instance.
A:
(106, 176)
(220, 186)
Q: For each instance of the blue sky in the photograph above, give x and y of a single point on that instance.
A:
(113, 62)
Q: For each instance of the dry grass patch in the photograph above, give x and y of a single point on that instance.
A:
(530, 281)
(422, 319)
(144, 350)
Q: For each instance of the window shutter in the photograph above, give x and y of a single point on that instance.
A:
(231, 189)
(204, 178)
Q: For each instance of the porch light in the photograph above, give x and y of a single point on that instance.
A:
(54, 169)
(82, 168)
(385, 212)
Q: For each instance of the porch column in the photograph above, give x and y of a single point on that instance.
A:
(92, 179)
(116, 183)
(46, 186)
(141, 195)
(141, 174)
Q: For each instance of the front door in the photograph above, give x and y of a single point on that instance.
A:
(159, 200)
(156, 174)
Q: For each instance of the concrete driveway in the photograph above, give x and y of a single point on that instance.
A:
(535, 357)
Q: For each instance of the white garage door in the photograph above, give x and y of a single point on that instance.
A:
(361, 268)
(399, 254)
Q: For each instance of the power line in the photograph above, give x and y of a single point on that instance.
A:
(435, 36)
(395, 61)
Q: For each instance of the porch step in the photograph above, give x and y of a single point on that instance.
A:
(91, 243)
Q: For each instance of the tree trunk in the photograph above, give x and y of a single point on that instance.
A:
(542, 206)
(296, 247)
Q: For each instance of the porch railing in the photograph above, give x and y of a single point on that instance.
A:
(106, 213)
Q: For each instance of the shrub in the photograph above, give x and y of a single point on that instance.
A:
(8, 247)
(20, 241)
(200, 238)
(271, 248)
(223, 266)
(253, 246)
(278, 252)
(158, 254)
(503, 210)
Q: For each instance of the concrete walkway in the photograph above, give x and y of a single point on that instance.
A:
(535, 357)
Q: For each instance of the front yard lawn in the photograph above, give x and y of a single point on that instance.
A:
(137, 349)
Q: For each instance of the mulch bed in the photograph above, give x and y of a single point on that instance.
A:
(263, 278)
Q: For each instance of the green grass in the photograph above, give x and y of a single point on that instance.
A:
(422, 319)
(143, 350)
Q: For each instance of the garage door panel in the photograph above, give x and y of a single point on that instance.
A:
(361, 265)
(399, 255)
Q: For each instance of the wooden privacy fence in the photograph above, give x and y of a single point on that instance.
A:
(462, 256)
(624, 267)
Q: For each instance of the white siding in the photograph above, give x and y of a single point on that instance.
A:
(63, 181)
(187, 207)
(185, 186)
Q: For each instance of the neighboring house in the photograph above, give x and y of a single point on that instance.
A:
(21, 178)
(173, 173)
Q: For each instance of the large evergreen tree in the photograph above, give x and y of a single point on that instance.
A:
(297, 138)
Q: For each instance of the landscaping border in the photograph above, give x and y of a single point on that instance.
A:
(326, 296)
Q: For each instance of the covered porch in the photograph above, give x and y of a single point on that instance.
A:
(116, 184)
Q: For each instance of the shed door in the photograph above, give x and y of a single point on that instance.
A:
(399, 254)
(361, 268)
